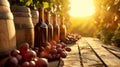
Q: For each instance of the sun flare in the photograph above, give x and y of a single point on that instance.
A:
(81, 8)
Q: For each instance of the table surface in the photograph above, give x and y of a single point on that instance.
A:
(90, 52)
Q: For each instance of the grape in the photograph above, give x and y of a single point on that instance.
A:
(58, 45)
(14, 52)
(19, 58)
(58, 56)
(35, 59)
(53, 51)
(41, 48)
(63, 44)
(24, 48)
(32, 64)
(67, 49)
(43, 54)
(53, 47)
(41, 62)
(25, 64)
(11, 62)
(36, 49)
(52, 43)
(63, 54)
(59, 50)
(48, 48)
(46, 44)
(49, 57)
(29, 55)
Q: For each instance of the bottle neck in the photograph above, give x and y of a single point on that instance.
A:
(41, 14)
(54, 19)
(61, 20)
(47, 17)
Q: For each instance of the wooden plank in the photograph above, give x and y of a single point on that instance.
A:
(72, 59)
(89, 59)
(113, 49)
(109, 59)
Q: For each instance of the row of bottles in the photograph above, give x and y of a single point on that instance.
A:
(45, 31)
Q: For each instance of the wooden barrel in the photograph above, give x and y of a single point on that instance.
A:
(23, 25)
(4, 3)
(35, 16)
(7, 29)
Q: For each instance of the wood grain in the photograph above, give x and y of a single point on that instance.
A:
(108, 58)
(89, 59)
(73, 59)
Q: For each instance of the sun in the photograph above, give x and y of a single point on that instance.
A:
(81, 8)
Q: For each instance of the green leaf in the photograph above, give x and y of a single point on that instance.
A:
(28, 2)
(45, 4)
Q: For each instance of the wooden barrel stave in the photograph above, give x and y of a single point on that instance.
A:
(7, 29)
(23, 25)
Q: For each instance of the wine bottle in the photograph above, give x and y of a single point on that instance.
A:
(62, 29)
(50, 27)
(41, 30)
(56, 29)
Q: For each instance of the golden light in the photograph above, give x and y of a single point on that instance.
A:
(81, 8)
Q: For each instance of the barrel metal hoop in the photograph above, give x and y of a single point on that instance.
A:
(4, 15)
(23, 26)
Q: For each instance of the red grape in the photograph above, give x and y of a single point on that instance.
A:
(11, 62)
(46, 44)
(19, 57)
(52, 43)
(63, 54)
(59, 50)
(44, 54)
(58, 56)
(49, 57)
(42, 62)
(48, 48)
(32, 64)
(67, 49)
(24, 48)
(63, 44)
(25, 64)
(15, 52)
(41, 48)
(53, 51)
(58, 45)
(29, 55)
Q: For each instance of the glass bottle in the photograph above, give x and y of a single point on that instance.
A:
(50, 27)
(41, 30)
(56, 29)
(62, 29)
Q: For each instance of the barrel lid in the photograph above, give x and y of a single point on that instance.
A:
(6, 15)
(4, 3)
(19, 9)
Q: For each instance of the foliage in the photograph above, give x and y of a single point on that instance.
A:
(116, 37)
(20, 2)
(107, 17)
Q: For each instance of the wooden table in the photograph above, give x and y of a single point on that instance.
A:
(91, 52)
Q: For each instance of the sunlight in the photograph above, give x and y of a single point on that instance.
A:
(81, 8)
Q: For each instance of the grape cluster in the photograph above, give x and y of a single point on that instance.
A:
(37, 56)
(25, 57)
(53, 51)
(71, 38)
